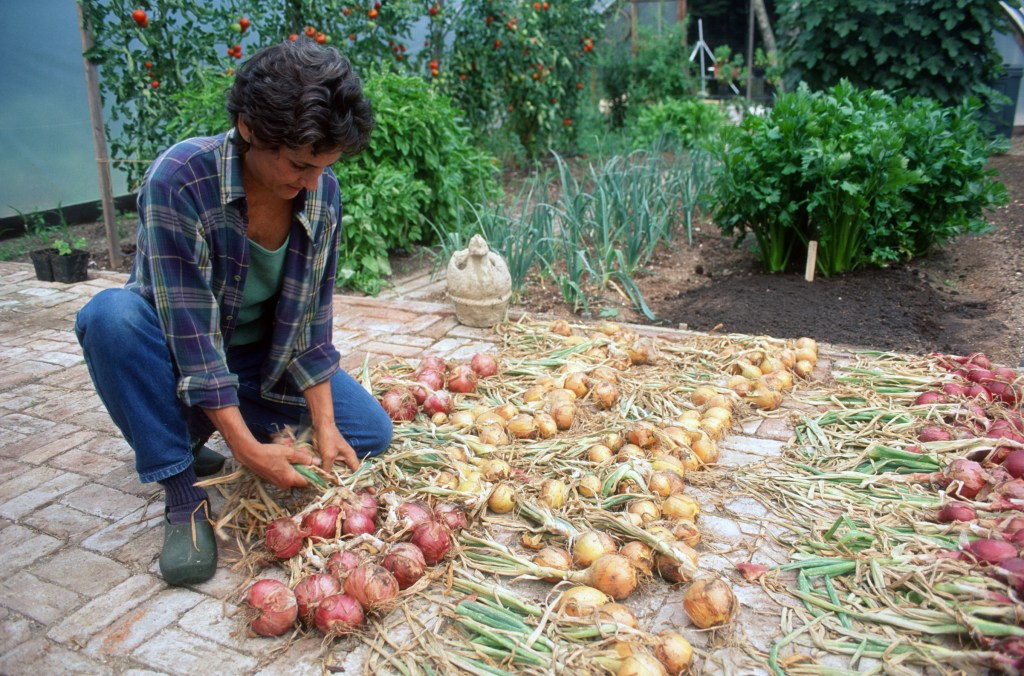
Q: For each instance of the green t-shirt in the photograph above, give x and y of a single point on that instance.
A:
(262, 282)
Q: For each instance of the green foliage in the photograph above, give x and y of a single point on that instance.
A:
(686, 122)
(418, 167)
(65, 248)
(201, 108)
(942, 49)
(518, 67)
(870, 179)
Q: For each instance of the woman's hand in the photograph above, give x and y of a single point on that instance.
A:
(273, 462)
(332, 445)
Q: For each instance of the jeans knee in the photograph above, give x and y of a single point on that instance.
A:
(377, 434)
(115, 317)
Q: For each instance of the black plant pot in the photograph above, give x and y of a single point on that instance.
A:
(41, 261)
(73, 267)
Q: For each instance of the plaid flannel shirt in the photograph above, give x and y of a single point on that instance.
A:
(191, 263)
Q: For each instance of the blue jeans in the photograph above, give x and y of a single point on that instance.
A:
(133, 371)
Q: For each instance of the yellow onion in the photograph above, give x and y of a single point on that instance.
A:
(806, 354)
(604, 394)
(439, 418)
(553, 493)
(589, 546)
(564, 414)
(560, 328)
(534, 394)
(581, 601)
(522, 426)
(739, 384)
(553, 557)
(690, 425)
(617, 614)
(461, 418)
(612, 574)
(720, 412)
(489, 418)
(771, 365)
(642, 351)
(807, 343)
(603, 372)
(641, 434)
(578, 383)
(458, 454)
(493, 469)
(661, 532)
(445, 480)
(765, 399)
(632, 519)
(746, 369)
(640, 555)
(669, 463)
(575, 340)
(676, 436)
(706, 449)
(701, 394)
(546, 383)
(590, 485)
(681, 506)
(609, 328)
(630, 452)
(627, 486)
(670, 569)
(507, 410)
(674, 652)
(803, 368)
(492, 434)
(502, 499)
(613, 440)
(780, 380)
(546, 427)
(599, 453)
(470, 483)
(647, 510)
(665, 483)
(690, 414)
(690, 460)
(714, 427)
(787, 357)
(720, 401)
(753, 356)
(709, 602)
(560, 395)
(686, 531)
(641, 664)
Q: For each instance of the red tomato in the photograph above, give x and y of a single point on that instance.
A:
(244, 23)
(320, 38)
(372, 13)
(140, 18)
(155, 84)
(149, 64)
(310, 31)
(293, 37)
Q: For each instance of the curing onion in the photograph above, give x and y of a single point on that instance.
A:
(988, 552)
(313, 589)
(434, 541)
(399, 404)
(322, 523)
(463, 379)
(438, 401)
(341, 563)
(956, 511)
(413, 513)
(358, 523)
(452, 516)
(484, 364)
(274, 607)
(709, 602)
(373, 586)
(406, 563)
(338, 614)
(284, 537)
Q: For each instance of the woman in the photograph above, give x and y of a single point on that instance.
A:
(225, 322)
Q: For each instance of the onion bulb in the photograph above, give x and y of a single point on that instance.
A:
(710, 602)
(560, 395)
(701, 394)
(989, 552)
(680, 506)
(669, 568)
(338, 614)
(578, 382)
(399, 404)
(284, 537)
(705, 448)
(604, 394)
(956, 511)
(804, 369)
(492, 434)
(502, 499)
(553, 493)
(434, 540)
(553, 557)
(641, 664)
(560, 328)
(438, 401)
(740, 385)
(765, 399)
(806, 354)
(564, 414)
(451, 516)
(599, 453)
(522, 426)
(462, 379)
(373, 586)
(433, 363)
(313, 589)
(461, 418)
(590, 486)
(641, 434)
(590, 545)
(674, 652)
(274, 607)
(546, 425)
(358, 523)
(484, 364)
(686, 531)
(618, 614)
(413, 513)
(340, 564)
(322, 523)
(581, 601)
(642, 351)
(640, 555)
(647, 510)
(405, 561)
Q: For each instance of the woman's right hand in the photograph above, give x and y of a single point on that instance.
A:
(273, 463)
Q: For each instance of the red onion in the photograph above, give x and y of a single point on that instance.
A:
(313, 589)
(956, 511)
(434, 540)
(979, 375)
(970, 474)
(930, 398)
(1004, 373)
(1014, 463)
(952, 389)
(452, 516)
(413, 513)
(933, 433)
(358, 524)
(484, 364)
(399, 404)
(367, 504)
(322, 523)
(432, 381)
(406, 563)
(979, 359)
(433, 364)
(340, 564)
(338, 614)
(284, 537)
(463, 379)
(752, 571)
(373, 586)
(1014, 573)
(987, 552)
(438, 402)
(1003, 429)
(274, 605)
(978, 392)
(1004, 392)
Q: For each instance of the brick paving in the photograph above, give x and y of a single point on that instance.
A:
(80, 536)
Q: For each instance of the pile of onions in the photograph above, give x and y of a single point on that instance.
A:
(405, 561)
(338, 614)
(313, 589)
(284, 537)
(274, 607)
(434, 540)
(709, 602)
(399, 403)
(373, 586)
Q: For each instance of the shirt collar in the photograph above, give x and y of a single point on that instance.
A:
(231, 188)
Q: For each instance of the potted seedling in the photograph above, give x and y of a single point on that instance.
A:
(65, 262)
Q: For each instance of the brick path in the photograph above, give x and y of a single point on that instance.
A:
(79, 535)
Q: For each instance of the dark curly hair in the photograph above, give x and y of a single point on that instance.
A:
(297, 94)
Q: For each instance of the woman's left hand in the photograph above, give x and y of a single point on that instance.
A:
(332, 445)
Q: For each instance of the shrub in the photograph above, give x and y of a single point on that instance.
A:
(418, 167)
(872, 180)
(686, 122)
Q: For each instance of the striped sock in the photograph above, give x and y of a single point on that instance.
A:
(181, 496)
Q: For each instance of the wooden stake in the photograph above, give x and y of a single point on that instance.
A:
(99, 140)
(812, 257)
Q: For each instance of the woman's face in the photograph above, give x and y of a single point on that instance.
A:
(283, 172)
